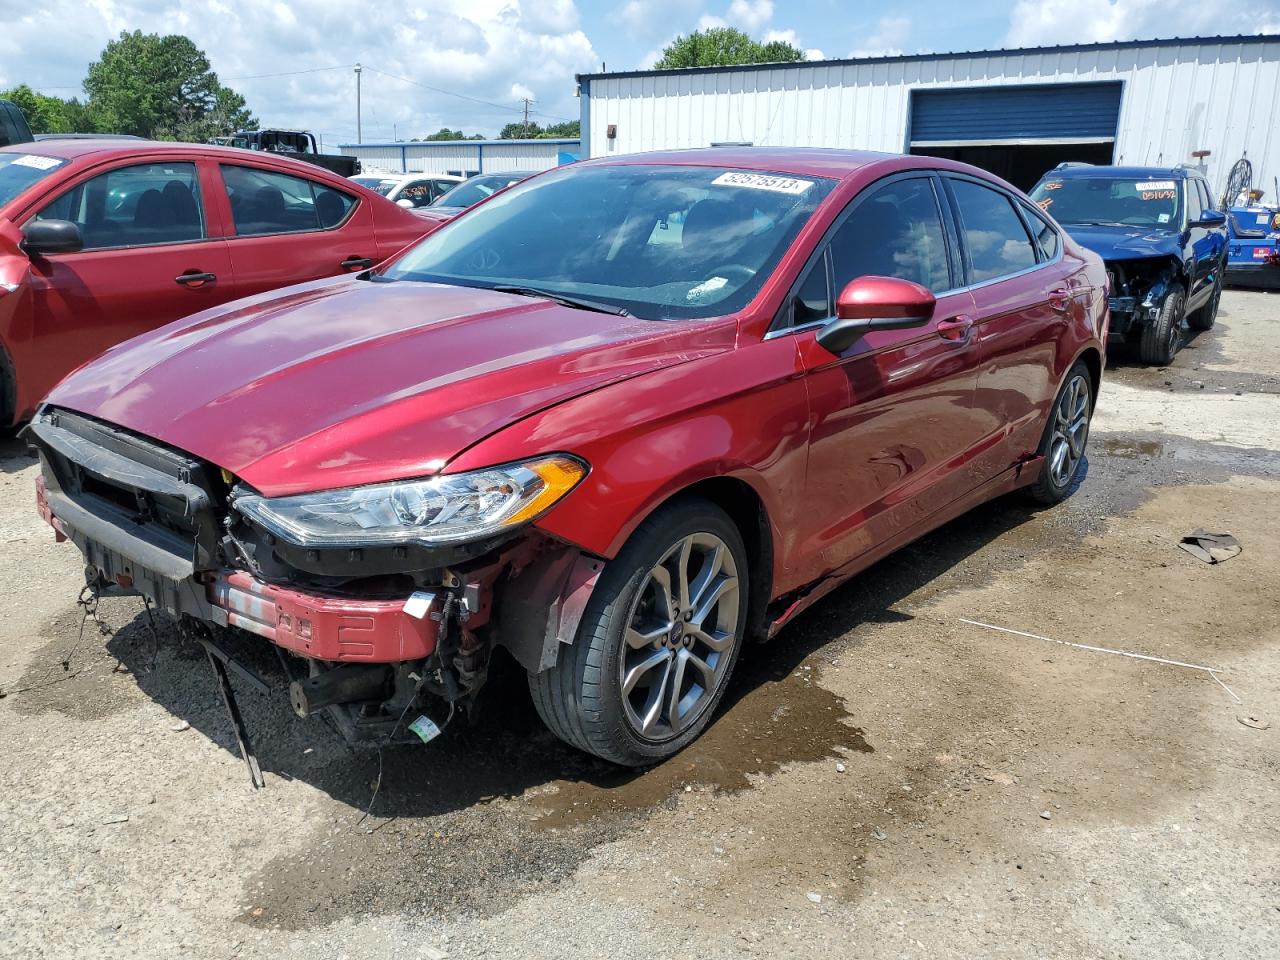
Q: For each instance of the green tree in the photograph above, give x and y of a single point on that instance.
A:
(721, 47)
(162, 87)
(519, 130)
(444, 133)
(46, 114)
(557, 131)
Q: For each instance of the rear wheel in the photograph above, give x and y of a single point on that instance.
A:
(1065, 436)
(657, 642)
(1161, 337)
(1203, 319)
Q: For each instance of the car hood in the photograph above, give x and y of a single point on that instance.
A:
(345, 381)
(1127, 243)
(439, 214)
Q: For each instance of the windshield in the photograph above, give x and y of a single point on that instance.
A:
(661, 242)
(474, 190)
(20, 170)
(1112, 201)
(380, 185)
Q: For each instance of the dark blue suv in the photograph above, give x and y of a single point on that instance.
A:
(1164, 244)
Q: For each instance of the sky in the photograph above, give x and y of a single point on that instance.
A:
(468, 63)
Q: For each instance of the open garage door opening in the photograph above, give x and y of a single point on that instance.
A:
(1017, 132)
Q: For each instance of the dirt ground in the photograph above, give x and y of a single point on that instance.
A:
(885, 781)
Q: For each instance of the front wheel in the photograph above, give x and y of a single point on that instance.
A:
(1161, 337)
(657, 642)
(1065, 436)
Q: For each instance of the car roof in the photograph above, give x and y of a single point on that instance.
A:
(1129, 173)
(106, 147)
(803, 161)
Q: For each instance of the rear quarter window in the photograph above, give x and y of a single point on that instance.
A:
(265, 202)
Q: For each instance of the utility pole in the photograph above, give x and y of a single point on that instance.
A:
(359, 129)
(528, 102)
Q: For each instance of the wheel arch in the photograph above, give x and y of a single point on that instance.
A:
(746, 508)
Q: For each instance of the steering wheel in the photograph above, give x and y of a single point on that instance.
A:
(729, 271)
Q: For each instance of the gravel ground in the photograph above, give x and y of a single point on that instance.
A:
(884, 780)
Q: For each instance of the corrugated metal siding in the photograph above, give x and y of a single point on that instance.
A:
(1053, 111)
(471, 156)
(1217, 96)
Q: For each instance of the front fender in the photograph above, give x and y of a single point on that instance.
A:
(742, 414)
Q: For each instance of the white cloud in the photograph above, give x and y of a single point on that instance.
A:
(888, 39)
(478, 48)
(750, 15)
(1040, 22)
(789, 36)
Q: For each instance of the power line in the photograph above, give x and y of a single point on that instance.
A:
(463, 96)
(290, 73)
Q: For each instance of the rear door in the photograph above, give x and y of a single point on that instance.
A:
(1023, 295)
(290, 228)
(892, 417)
(151, 255)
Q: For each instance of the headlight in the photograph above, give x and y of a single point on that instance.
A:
(447, 509)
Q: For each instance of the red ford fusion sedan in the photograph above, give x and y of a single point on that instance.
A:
(104, 239)
(618, 420)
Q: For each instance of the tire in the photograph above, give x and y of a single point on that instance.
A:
(627, 634)
(1065, 437)
(1204, 318)
(1160, 339)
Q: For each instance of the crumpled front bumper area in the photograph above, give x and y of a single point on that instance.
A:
(146, 520)
(338, 629)
(326, 628)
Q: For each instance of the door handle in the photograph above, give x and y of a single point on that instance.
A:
(1060, 299)
(195, 279)
(957, 329)
(356, 263)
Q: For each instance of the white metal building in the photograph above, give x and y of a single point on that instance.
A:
(1014, 112)
(463, 157)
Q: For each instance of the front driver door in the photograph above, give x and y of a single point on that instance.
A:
(150, 257)
(892, 417)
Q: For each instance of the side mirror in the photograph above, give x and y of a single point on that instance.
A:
(876, 303)
(407, 204)
(52, 236)
(1211, 219)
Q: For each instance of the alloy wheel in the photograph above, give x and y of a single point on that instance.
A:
(680, 637)
(1070, 430)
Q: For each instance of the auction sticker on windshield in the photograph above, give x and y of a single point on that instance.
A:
(1157, 185)
(37, 163)
(762, 181)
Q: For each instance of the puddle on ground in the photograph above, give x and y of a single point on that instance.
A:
(498, 809)
(1128, 448)
(779, 721)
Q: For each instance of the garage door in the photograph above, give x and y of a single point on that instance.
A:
(1062, 113)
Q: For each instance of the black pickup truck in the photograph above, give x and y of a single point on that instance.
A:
(299, 144)
(13, 125)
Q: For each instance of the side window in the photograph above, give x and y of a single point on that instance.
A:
(895, 231)
(1206, 198)
(265, 202)
(1045, 236)
(813, 299)
(146, 204)
(419, 193)
(997, 241)
(1195, 203)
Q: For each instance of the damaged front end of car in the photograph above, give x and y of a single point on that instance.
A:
(386, 601)
(1138, 290)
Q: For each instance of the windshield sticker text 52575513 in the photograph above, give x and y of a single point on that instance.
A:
(762, 181)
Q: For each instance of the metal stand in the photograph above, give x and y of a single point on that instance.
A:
(219, 660)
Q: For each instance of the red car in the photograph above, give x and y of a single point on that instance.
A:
(617, 419)
(101, 240)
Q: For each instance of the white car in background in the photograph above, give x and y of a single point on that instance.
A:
(410, 190)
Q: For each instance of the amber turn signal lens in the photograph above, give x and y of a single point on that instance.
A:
(559, 475)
